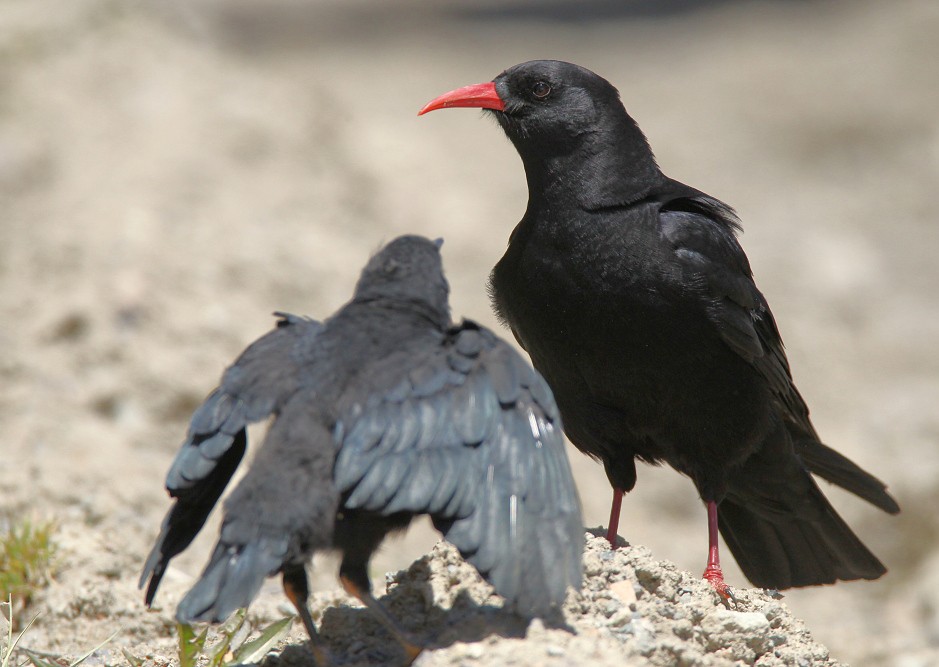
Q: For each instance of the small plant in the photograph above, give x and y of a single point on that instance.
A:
(7, 648)
(26, 554)
(57, 661)
(230, 649)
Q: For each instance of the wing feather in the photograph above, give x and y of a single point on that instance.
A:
(711, 257)
(260, 381)
(476, 444)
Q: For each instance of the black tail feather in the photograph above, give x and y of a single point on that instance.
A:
(780, 551)
(231, 580)
(837, 469)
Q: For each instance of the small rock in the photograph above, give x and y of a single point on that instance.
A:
(624, 591)
(738, 622)
(474, 651)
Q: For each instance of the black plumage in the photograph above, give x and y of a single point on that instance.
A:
(382, 412)
(636, 302)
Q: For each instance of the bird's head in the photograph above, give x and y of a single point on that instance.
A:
(408, 270)
(564, 119)
(543, 105)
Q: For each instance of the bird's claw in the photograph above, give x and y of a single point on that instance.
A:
(411, 648)
(714, 576)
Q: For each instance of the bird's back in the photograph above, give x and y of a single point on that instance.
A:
(623, 341)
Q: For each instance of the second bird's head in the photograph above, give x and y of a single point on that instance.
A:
(408, 269)
(545, 106)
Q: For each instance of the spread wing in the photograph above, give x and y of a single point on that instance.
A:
(257, 385)
(467, 432)
(281, 511)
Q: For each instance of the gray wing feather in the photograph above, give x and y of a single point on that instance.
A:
(474, 440)
(280, 512)
(260, 381)
(267, 373)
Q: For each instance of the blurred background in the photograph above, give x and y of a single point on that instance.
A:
(170, 173)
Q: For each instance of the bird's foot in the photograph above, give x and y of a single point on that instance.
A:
(612, 537)
(715, 577)
(297, 591)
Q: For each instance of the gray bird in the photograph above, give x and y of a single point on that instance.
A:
(382, 412)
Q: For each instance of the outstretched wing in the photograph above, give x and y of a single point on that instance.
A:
(281, 511)
(467, 432)
(255, 386)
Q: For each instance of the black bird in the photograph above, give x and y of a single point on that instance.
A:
(636, 302)
(382, 412)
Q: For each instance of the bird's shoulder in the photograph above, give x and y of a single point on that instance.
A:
(272, 364)
(454, 394)
(701, 232)
(431, 363)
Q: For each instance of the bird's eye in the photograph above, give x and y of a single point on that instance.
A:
(541, 90)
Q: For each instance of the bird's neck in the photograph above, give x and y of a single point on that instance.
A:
(602, 169)
(414, 310)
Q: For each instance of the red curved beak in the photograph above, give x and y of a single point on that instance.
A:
(482, 95)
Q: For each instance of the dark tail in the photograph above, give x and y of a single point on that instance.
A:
(231, 580)
(188, 514)
(281, 511)
(783, 551)
(837, 469)
(780, 527)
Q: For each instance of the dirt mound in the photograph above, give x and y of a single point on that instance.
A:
(633, 610)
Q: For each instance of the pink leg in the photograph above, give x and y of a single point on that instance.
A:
(713, 572)
(614, 518)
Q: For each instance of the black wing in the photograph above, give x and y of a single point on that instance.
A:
(467, 432)
(701, 231)
(255, 386)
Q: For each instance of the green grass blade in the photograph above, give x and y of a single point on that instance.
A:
(190, 646)
(254, 650)
(132, 659)
(85, 657)
(228, 631)
(39, 662)
(13, 642)
(8, 651)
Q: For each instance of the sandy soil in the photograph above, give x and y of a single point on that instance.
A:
(170, 173)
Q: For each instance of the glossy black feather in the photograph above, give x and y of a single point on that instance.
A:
(636, 302)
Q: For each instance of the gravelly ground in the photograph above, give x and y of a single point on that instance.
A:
(171, 173)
